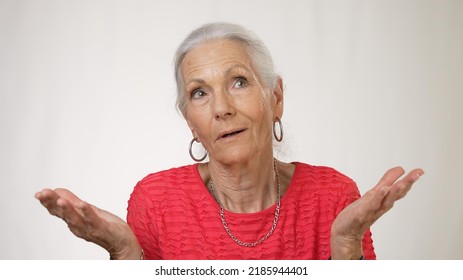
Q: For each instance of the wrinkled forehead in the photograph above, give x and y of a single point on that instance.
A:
(214, 55)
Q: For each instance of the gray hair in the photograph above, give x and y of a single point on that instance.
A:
(258, 52)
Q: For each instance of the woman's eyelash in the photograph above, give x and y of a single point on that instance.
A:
(242, 80)
(196, 91)
(238, 79)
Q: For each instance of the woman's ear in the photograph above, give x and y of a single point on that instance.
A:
(278, 95)
(193, 131)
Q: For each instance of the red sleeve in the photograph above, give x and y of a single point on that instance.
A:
(139, 217)
(350, 194)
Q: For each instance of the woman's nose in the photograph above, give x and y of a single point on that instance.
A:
(222, 105)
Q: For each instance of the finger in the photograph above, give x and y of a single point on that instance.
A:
(391, 176)
(376, 195)
(374, 203)
(95, 224)
(48, 199)
(68, 195)
(71, 197)
(69, 213)
(46, 195)
(401, 188)
(382, 188)
(89, 213)
(58, 206)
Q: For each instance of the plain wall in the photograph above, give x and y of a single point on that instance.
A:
(87, 102)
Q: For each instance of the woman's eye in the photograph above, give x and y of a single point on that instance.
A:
(197, 93)
(240, 82)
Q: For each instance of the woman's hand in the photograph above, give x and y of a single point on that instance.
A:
(350, 225)
(91, 223)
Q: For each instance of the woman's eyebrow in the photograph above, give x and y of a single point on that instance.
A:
(196, 81)
(233, 68)
(238, 67)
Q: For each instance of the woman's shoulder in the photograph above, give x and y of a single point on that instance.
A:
(323, 175)
(167, 184)
(321, 181)
(172, 176)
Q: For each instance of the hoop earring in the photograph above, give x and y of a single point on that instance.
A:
(191, 152)
(279, 139)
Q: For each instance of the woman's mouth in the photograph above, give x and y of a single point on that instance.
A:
(231, 134)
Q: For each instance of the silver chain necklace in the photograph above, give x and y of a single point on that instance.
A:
(275, 220)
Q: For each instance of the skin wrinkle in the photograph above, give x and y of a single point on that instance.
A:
(241, 70)
(242, 169)
(183, 100)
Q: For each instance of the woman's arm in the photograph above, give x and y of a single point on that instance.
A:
(350, 225)
(91, 223)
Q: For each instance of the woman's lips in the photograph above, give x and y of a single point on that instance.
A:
(226, 135)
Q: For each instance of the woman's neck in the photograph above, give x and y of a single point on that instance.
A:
(244, 187)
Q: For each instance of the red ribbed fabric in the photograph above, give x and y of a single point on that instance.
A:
(174, 216)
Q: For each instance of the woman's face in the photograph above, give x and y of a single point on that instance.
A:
(228, 109)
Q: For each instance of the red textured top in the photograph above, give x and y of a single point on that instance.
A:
(174, 216)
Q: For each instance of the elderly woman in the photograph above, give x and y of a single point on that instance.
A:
(243, 203)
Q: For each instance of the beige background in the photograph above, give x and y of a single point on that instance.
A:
(87, 102)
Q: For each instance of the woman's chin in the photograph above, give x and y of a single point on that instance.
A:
(232, 156)
(236, 155)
